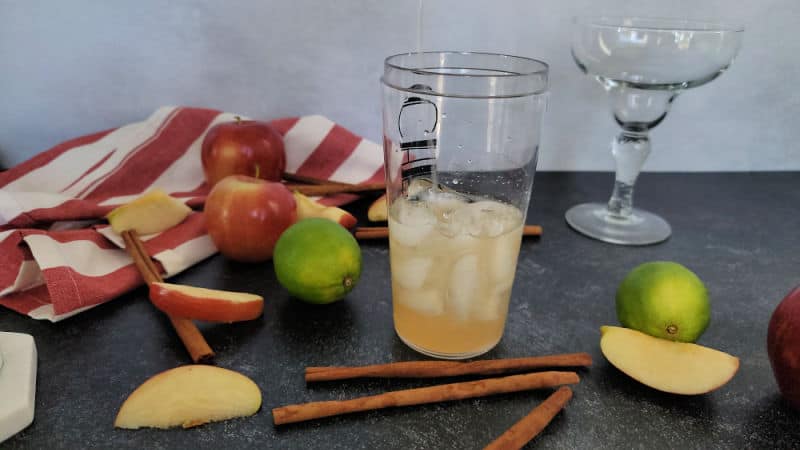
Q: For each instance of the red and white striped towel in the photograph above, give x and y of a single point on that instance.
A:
(56, 262)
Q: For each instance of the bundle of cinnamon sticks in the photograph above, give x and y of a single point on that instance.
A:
(515, 437)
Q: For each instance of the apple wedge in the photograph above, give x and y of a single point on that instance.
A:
(669, 366)
(378, 212)
(307, 208)
(153, 212)
(211, 305)
(188, 396)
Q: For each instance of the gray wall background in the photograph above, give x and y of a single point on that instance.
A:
(68, 68)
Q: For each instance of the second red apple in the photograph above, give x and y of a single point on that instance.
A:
(245, 216)
(243, 147)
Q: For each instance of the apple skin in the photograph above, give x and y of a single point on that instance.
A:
(210, 305)
(783, 346)
(243, 147)
(245, 216)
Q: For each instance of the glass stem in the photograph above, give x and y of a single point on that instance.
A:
(630, 149)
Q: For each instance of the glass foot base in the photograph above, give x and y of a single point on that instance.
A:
(447, 355)
(641, 228)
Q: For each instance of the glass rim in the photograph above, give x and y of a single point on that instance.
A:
(544, 68)
(658, 24)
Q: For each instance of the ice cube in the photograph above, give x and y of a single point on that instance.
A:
(487, 218)
(410, 222)
(445, 207)
(464, 282)
(411, 272)
(419, 188)
(423, 301)
(444, 204)
(493, 306)
(503, 259)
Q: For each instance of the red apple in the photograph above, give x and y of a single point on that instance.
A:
(783, 346)
(243, 147)
(245, 216)
(211, 305)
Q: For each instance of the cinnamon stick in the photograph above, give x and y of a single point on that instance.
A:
(433, 369)
(318, 186)
(531, 425)
(288, 176)
(431, 394)
(334, 188)
(364, 233)
(190, 335)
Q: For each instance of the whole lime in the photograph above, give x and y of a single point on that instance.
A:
(317, 261)
(664, 299)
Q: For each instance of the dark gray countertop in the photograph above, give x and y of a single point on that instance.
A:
(738, 232)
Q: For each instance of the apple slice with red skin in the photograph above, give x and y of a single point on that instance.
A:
(210, 305)
(308, 208)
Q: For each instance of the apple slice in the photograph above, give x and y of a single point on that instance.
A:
(669, 366)
(153, 212)
(188, 396)
(378, 212)
(211, 305)
(307, 208)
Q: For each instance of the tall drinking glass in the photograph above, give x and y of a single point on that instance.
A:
(461, 138)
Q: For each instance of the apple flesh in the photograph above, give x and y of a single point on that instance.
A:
(151, 213)
(308, 208)
(243, 147)
(245, 216)
(188, 396)
(378, 210)
(210, 305)
(669, 366)
(783, 346)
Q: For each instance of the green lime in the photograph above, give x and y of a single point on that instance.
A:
(664, 299)
(317, 261)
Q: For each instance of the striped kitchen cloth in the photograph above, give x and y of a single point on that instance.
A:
(56, 261)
